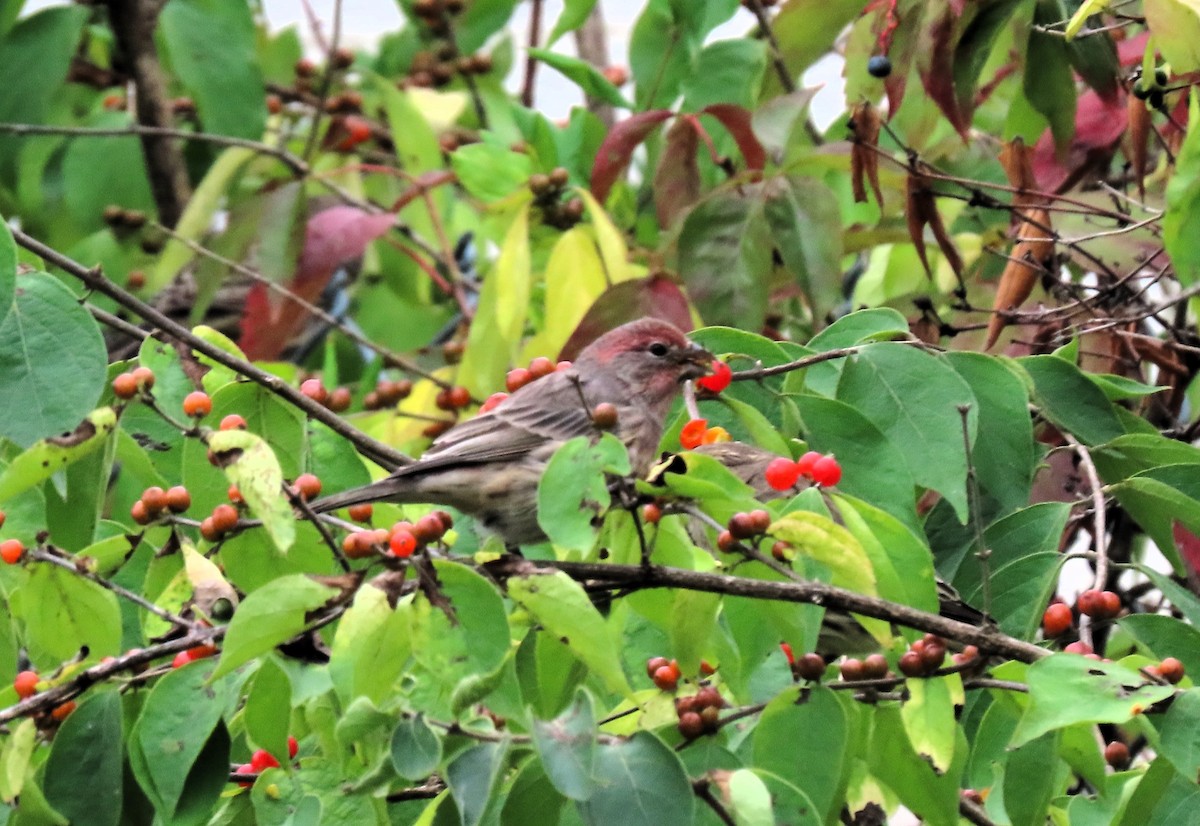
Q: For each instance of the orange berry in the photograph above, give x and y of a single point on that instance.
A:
(155, 499)
(3, 515)
(11, 551)
(140, 513)
(492, 402)
(224, 518)
(208, 530)
(692, 433)
(402, 543)
(197, 404)
(1171, 670)
(235, 495)
(1057, 620)
(459, 397)
(63, 711)
(125, 386)
(178, 499)
(26, 684)
(516, 379)
(144, 377)
(651, 513)
(232, 422)
(541, 366)
(308, 486)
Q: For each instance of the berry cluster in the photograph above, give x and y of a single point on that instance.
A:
(700, 713)
(262, 760)
(547, 192)
(663, 673)
(402, 540)
(697, 432)
(222, 520)
(539, 368)
(453, 399)
(926, 656)
(871, 667)
(155, 501)
(127, 385)
(743, 525)
(387, 394)
(1058, 617)
(783, 473)
(337, 400)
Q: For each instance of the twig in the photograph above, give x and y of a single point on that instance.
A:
(829, 355)
(94, 279)
(535, 36)
(326, 81)
(1098, 508)
(981, 552)
(702, 788)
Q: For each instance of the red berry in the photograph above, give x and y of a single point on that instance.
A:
(493, 401)
(805, 463)
(651, 513)
(1116, 754)
(1110, 605)
(262, 760)
(245, 768)
(655, 663)
(181, 659)
(1088, 603)
(781, 551)
(178, 499)
(26, 684)
(781, 473)
(721, 376)
(707, 669)
(693, 433)
(208, 530)
(786, 648)
(742, 526)
(934, 655)
(197, 404)
(516, 379)
(200, 652)
(293, 746)
(666, 678)
(234, 495)
(1171, 670)
(314, 390)
(726, 542)
(11, 551)
(1079, 647)
(402, 543)
(232, 422)
(362, 512)
(1057, 620)
(308, 486)
(125, 386)
(459, 397)
(826, 471)
(3, 516)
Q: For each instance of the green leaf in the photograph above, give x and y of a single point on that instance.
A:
(901, 561)
(914, 399)
(416, 748)
(48, 388)
(805, 31)
(661, 51)
(586, 76)
(806, 226)
(725, 259)
(1164, 636)
(1031, 779)
(15, 752)
(1181, 222)
(567, 745)
(255, 470)
(471, 776)
(639, 782)
(268, 709)
(271, 615)
(750, 799)
(783, 744)
(830, 544)
(370, 647)
(204, 35)
(1051, 88)
(63, 612)
(930, 796)
(928, 717)
(104, 170)
(573, 492)
(575, 278)
(416, 142)
(46, 458)
(1156, 505)
(562, 606)
(176, 725)
(1065, 689)
(1180, 732)
(1005, 460)
(860, 327)
(83, 773)
(573, 15)
(725, 71)
(490, 172)
(1071, 401)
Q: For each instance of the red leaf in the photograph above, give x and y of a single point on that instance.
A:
(332, 237)
(677, 179)
(1189, 546)
(1130, 50)
(938, 76)
(656, 296)
(1099, 125)
(736, 119)
(618, 147)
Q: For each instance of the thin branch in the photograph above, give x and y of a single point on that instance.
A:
(1098, 508)
(829, 355)
(535, 36)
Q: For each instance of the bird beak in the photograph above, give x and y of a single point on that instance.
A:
(695, 361)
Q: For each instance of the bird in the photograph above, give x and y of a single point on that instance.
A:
(489, 466)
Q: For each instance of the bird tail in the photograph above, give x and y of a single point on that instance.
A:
(390, 488)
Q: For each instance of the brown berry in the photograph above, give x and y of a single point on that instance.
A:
(781, 551)
(875, 667)
(711, 717)
(224, 518)
(1116, 754)
(1110, 605)
(811, 666)
(742, 526)
(760, 520)
(445, 518)
(651, 513)
(342, 58)
(559, 177)
(726, 542)
(852, 670)
(605, 416)
(140, 513)
(208, 530)
(691, 725)
(1171, 670)
(362, 512)
(135, 280)
(305, 68)
(339, 400)
(428, 528)
(155, 499)
(709, 697)
(459, 397)
(934, 655)
(911, 664)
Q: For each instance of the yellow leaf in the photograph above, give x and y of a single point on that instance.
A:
(613, 251)
(1175, 25)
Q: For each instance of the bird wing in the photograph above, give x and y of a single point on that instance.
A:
(542, 414)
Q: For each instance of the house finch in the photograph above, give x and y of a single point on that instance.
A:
(489, 466)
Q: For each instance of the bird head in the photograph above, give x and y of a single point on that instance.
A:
(649, 357)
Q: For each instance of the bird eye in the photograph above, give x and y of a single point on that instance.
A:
(658, 349)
